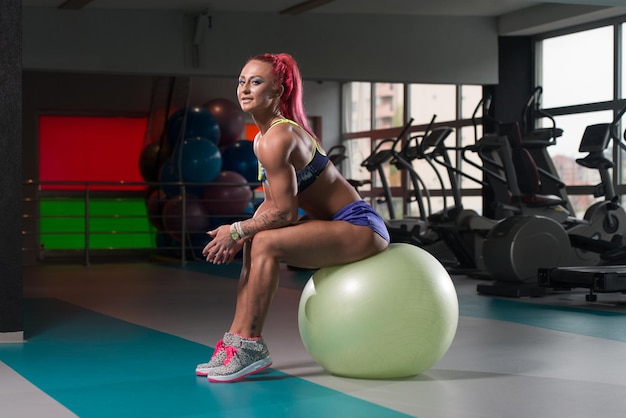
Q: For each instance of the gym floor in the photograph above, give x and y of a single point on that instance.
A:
(122, 340)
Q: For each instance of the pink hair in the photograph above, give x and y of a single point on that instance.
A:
(286, 72)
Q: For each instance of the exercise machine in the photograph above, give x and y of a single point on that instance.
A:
(513, 178)
(598, 279)
(537, 141)
(604, 278)
(510, 181)
(517, 247)
(408, 229)
(463, 230)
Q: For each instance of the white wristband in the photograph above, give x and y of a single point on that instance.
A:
(238, 228)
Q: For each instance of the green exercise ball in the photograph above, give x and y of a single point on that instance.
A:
(393, 315)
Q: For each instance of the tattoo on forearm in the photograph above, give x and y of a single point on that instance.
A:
(263, 222)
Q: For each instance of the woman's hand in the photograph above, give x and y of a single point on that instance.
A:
(222, 249)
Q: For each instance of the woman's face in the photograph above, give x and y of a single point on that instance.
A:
(256, 88)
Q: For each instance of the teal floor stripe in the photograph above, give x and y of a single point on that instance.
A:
(99, 366)
(590, 322)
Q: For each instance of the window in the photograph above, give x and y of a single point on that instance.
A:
(426, 100)
(357, 105)
(358, 150)
(577, 72)
(565, 152)
(384, 105)
(577, 68)
(623, 63)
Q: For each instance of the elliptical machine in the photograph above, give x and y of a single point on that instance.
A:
(461, 229)
(411, 229)
(517, 247)
(510, 178)
(537, 141)
(610, 275)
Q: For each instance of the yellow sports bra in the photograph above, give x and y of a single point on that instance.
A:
(309, 173)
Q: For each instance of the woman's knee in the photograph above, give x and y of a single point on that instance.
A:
(264, 243)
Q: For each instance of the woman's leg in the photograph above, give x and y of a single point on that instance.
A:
(220, 353)
(253, 294)
(311, 244)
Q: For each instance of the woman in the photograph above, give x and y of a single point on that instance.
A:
(296, 173)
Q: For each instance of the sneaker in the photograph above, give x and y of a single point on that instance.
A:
(219, 355)
(243, 359)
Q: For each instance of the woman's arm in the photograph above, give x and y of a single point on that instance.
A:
(281, 202)
(280, 207)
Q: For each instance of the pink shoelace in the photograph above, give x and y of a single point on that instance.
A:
(219, 347)
(230, 353)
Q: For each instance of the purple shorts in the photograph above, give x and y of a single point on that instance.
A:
(362, 214)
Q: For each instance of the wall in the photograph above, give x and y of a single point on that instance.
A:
(77, 48)
(428, 49)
